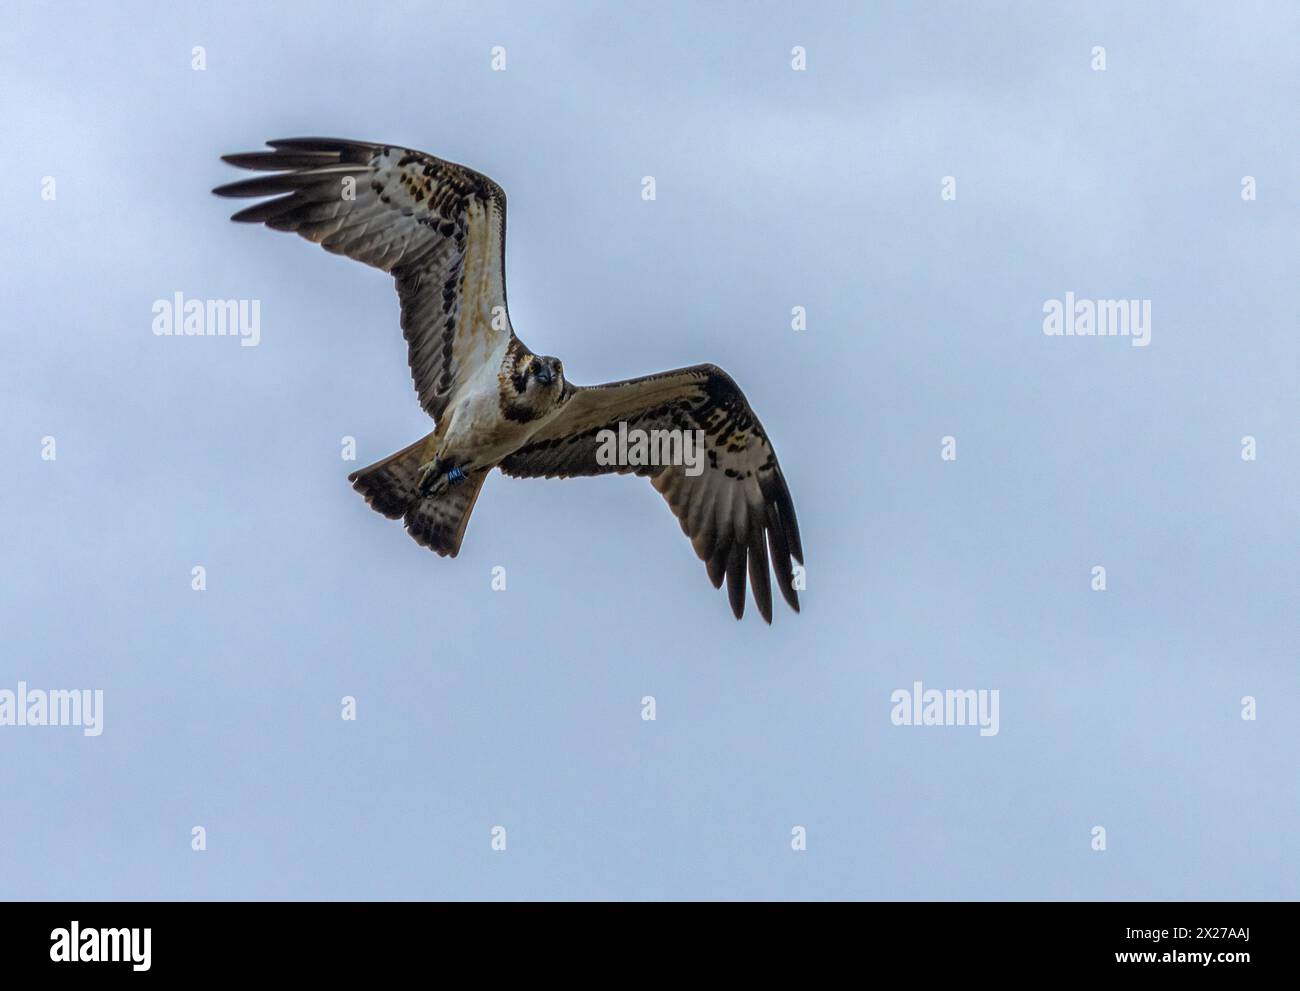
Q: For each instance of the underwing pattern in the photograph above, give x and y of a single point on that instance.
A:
(439, 229)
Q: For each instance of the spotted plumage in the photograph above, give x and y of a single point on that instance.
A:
(439, 229)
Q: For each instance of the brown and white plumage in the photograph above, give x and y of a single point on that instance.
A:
(439, 229)
(737, 512)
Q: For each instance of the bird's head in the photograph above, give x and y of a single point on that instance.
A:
(534, 387)
(547, 372)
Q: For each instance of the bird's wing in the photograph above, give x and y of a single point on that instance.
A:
(437, 227)
(737, 511)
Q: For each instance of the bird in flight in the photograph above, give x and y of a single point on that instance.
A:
(439, 229)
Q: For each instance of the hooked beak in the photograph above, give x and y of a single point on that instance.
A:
(545, 375)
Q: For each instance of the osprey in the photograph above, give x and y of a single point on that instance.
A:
(439, 229)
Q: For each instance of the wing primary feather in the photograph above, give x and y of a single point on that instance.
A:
(758, 576)
(262, 212)
(284, 182)
(279, 161)
(780, 552)
(736, 578)
(717, 564)
(776, 492)
(338, 145)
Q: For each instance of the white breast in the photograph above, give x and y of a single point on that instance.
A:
(477, 431)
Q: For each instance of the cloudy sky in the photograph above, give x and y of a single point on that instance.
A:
(522, 709)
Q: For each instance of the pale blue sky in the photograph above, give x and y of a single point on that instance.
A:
(775, 189)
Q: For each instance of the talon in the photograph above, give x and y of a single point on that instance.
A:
(427, 477)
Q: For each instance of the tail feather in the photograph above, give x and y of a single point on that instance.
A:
(392, 487)
(439, 523)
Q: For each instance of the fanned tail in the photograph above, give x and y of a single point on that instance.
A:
(392, 487)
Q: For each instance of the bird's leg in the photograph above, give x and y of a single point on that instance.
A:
(438, 475)
(430, 477)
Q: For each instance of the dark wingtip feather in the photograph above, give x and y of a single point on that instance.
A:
(736, 578)
(280, 161)
(759, 580)
(262, 185)
(261, 212)
(288, 182)
(339, 146)
(777, 494)
(309, 144)
(791, 523)
(717, 566)
(780, 554)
